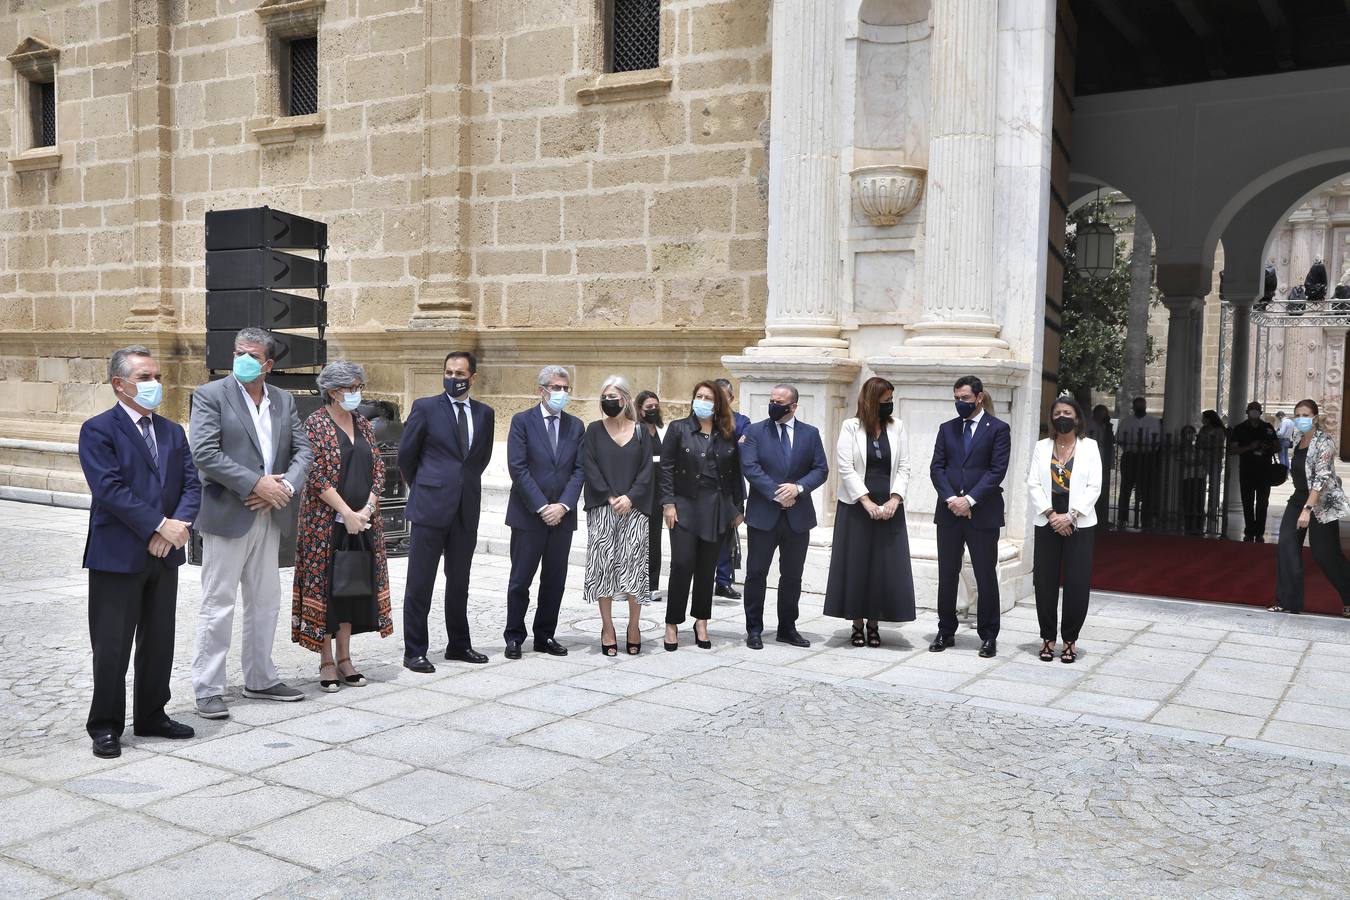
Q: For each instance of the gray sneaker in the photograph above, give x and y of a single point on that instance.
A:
(213, 708)
(278, 691)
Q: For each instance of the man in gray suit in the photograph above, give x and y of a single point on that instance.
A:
(252, 453)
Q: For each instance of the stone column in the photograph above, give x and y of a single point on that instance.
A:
(958, 274)
(1238, 376)
(1181, 388)
(804, 253)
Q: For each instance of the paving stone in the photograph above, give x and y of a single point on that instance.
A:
(42, 810)
(589, 740)
(558, 699)
(428, 797)
(140, 783)
(1099, 683)
(251, 750)
(106, 846)
(1012, 691)
(20, 881)
(652, 718)
(1208, 720)
(923, 678)
(414, 703)
(1223, 701)
(615, 680)
(10, 784)
(512, 766)
(231, 807)
(1084, 701)
(1317, 737)
(338, 726)
(486, 685)
(700, 697)
(420, 744)
(1310, 714)
(219, 870)
(843, 666)
(324, 836)
(495, 719)
(334, 773)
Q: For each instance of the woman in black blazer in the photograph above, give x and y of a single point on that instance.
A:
(702, 498)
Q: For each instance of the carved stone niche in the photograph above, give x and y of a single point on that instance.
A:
(887, 193)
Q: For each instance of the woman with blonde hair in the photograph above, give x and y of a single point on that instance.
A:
(620, 479)
(1315, 509)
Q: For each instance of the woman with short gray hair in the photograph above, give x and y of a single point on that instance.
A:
(339, 511)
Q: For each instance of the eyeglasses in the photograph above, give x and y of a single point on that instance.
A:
(353, 388)
(559, 387)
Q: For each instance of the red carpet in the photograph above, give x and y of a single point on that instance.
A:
(1200, 569)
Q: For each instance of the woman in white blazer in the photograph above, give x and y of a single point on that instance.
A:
(870, 577)
(1065, 481)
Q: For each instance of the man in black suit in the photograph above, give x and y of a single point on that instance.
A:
(784, 461)
(447, 443)
(543, 453)
(145, 495)
(970, 460)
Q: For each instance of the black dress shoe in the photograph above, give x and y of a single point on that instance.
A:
(419, 664)
(513, 649)
(726, 590)
(107, 746)
(468, 655)
(941, 642)
(793, 638)
(550, 646)
(174, 731)
(988, 649)
(754, 642)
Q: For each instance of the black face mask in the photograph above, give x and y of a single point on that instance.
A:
(1064, 424)
(456, 387)
(611, 407)
(652, 416)
(1138, 413)
(778, 410)
(885, 410)
(966, 408)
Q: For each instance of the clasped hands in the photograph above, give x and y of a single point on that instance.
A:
(269, 493)
(960, 507)
(169, 537)
(553, 513)
(1061, 523)
(881, 511)
(786, 495)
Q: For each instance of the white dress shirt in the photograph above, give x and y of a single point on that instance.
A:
(547, 414)
(468, 414)
(261, 414)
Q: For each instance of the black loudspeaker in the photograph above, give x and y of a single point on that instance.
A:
(232, 310)
(293, 351)
(244, 229)
(236, 270)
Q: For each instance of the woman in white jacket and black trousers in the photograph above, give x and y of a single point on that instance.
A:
(1065, 481)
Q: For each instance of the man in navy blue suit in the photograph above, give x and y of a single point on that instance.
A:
(446, 445)
(726, 570)
(145, 495)
(970, 460)
(784, 461)
(543, 453)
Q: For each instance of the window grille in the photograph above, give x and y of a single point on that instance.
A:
(304, 80)
(635, 35)
(44, 113)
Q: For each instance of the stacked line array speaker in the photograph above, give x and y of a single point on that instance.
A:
(250, 273)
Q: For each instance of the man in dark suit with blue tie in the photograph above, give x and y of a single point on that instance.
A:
(970, 460)
(543, 453)
(145, 495)
(446, 445)
(784, 461)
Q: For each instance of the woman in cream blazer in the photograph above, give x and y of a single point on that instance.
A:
(870, 578)
(1065, 481)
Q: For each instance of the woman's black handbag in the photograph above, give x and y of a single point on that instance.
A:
(1279, 474)
(353, 567)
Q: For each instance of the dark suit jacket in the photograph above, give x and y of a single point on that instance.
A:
(680, 465)
(766, 466)
(443, 478)
(742, 422)
(978, 474)
(129, 499)
(538, 477)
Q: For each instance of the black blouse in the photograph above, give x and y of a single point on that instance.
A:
(614, 471)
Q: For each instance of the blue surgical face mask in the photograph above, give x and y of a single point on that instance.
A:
(1303, 423)
(350, 400)
(246, 368)
(557, 400)
(149, 394)
(703, 408)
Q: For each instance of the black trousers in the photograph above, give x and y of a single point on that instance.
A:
(693, 562)
(952, 543)
(529, 548)
(122, 609)
(791, 547)
(1324, 539)
(1062, 560)
(655, 524)
(425, 547)
(1254, 485)
(1137, 471)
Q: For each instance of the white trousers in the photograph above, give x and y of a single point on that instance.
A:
(229, 565)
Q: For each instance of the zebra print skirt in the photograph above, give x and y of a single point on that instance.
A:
(616, 555)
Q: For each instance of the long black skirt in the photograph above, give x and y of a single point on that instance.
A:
(870, 574)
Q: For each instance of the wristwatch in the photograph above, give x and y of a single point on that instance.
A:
(1308, 508)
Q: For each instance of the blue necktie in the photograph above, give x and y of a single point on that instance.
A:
(970, 432)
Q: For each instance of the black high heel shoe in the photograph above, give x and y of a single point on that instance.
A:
(633, 648)
(703, 643)
(668, 646)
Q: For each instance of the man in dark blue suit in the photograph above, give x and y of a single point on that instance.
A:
(726, 568)
(446, 445)
(543, 453)
(784, 461)
(145, 495)
(970, 460)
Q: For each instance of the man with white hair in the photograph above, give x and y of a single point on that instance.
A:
(253, 455)
(543, 454)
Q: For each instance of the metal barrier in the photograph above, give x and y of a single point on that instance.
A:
(1167, 485)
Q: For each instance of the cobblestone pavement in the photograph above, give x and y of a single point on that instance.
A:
(1192, 750)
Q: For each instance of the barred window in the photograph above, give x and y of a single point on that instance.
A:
(42, 105)
(302, 56)
(635, 35)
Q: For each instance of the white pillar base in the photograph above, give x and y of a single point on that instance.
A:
(955, 338)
